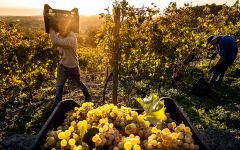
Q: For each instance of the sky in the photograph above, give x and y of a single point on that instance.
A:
(86, 7)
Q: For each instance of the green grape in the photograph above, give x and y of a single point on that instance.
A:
(188, 140)
(51, 141)
(51, 134)
(115, 148)
(191, 146)
(121, 145)
(186, 145)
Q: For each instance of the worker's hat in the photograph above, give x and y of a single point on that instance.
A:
(211, 38)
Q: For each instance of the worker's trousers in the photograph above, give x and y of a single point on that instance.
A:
(218, 75)
(73, 74)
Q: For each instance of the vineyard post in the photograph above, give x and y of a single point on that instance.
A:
(115, 56)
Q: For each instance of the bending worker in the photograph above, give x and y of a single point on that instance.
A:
(227, 49)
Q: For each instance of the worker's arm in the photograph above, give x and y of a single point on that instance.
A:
(219, 62)
(69, 41)
(216, 66)
(213, 55)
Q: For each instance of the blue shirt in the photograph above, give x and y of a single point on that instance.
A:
(228, 48)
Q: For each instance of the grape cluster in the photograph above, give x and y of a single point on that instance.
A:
(173, 137)
(118, 129)
(108, 135)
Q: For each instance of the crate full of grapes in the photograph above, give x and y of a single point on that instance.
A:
(160, 125)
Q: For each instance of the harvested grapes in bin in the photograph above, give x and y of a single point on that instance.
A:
(121, 128)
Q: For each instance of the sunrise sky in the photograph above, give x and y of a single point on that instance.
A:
(86, 7)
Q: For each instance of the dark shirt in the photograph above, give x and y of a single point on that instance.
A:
(227, 48)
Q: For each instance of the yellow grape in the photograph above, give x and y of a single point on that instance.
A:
(71, 142)
(95, 138)
(80, 147)
(76, 148)
(105, 128)
(149, 146)
(166, 131)
(187, 130)
(76, 137)
(128, 117)
(155, 130)
(115, 109)
(180, 135)
(127, 145)
(111, 125)
(112, 114)
(173, 124)
(61, 135)
(154, 142)
(135, 141)
(63, 143)
(68, 133)
(147, 123)
(74, 115)
(101, 130)
(71, 128)
(181, 126)
(101, 121)
(136, 147)
(174, 135)
(159, 144)
(73, 123)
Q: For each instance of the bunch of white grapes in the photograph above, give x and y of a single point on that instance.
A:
(118, 129)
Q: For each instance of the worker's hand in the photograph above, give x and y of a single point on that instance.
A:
(53, 24)
(212, 69)
(213, 55)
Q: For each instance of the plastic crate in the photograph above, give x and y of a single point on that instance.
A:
(51, 17)
(57, 117)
